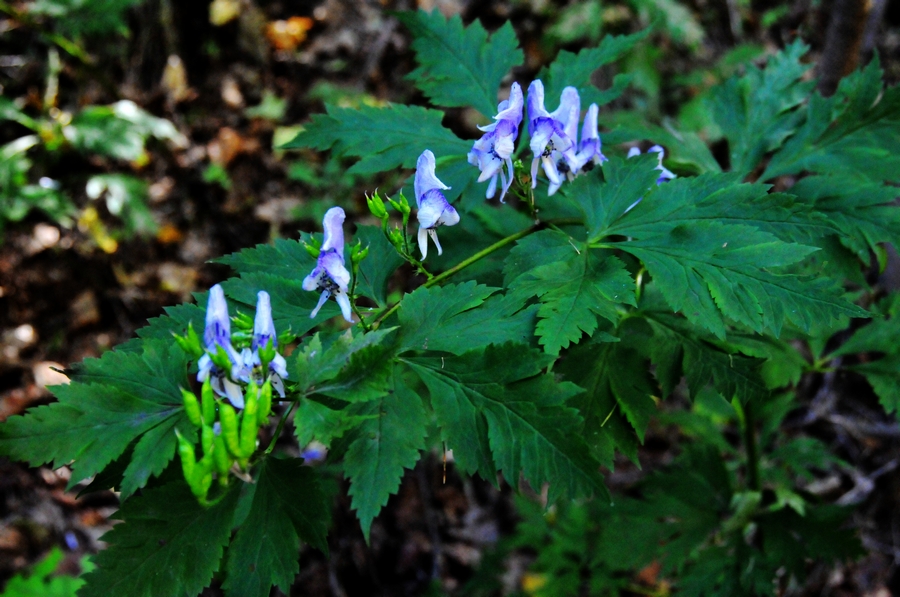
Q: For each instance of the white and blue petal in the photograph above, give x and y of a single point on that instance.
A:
(426, 179)
(333, 224)
(330, 276)
(434, 211)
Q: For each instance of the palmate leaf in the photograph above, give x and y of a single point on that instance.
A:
(347, 367)
(498, 394)
(287, 507)
(460, 66)
(617, 402)
(576, 70)
(389, 138)
(677, 349)
(168, 545)
(573, 292)
(854, 132)
(388, 442)
(112, 401)
(704, 265)
(459, 317)
(861, 211)
(757, 110)
(719, 198)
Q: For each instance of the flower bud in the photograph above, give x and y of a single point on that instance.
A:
(192, 407)
(376, 206)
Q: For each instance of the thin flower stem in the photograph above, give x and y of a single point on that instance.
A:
(278, 429)
(753, 481)
(474, 258)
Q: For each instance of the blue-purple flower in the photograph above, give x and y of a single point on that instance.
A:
(553, 134)
(330, 276)
(218, 334)
(494, 150)
(263, 334)
(554, 137)
(665, 174)
(589, 153)
(434, 209)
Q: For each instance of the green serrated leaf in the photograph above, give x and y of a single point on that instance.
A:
(112, 401)
(499, 392)
(573, 293)
(862, 212)
(382, 137)
(287, 506)
(168, 545)
(576, 69)
(854, 132)
(340, 365)
(460, 66)
(459, 317)
(677, 348)
(757, 111)
(617, 403)
(384, 446)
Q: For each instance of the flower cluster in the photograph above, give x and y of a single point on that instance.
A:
(223, 366)
(554, 139)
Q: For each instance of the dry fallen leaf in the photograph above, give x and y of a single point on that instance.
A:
(287, 35)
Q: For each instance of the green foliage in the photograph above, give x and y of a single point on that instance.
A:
(560, 338)
(854, 132)
(576, 69)
(168, 545)
(113, 402)
(284, 507)
(757, 111)
(519, 414)
(381, 447)
(41, 580)
(460, 66)
(79, 17)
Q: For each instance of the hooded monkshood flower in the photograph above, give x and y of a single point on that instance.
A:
(263, 333)
(589, 146)
(434, 209)
(665, 174)
(330, 276)
(495, 149)
(553, 134)
(216, 334)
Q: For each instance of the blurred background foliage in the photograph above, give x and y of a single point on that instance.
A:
(139, 140)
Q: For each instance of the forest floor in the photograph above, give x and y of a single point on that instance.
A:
(239, 88)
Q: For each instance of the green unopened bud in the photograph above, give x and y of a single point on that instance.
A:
(249, 422)
(401, 205)
(220, 358)
(376, 206)
(190, 342)
(286, 337)
(221, 458)
(188, 458)
(192, 407)
(265, 403)
(358, 253)
(207, 437)
(208, 403)
(242, 321)
(313, 246)
(229, 421)
(396, 238)
(267, 353)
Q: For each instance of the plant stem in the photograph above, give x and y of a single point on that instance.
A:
(278, 429)
(751, 448)
(474, 258)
